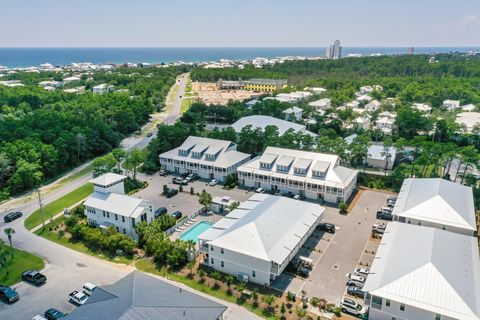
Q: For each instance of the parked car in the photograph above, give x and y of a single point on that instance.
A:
(328, 227)
(88, 288)
(170, 193)
(213, 182)
(34, 277)
(160, 211)
(354, 280)
(192, 177)
(179, 181)
(356, 292)
(279, 193)
(362, 272)
(391, 201)
(184, 175)
(304, 270)
(176, 214)
(149, 134)
(350, 306)
(379, 228)
(8, 295)
(299, 197)
(387, 209)
(77, 297)
(163, 173)
(12, 216)
(260, 190)
(53, 314)
(384, 215)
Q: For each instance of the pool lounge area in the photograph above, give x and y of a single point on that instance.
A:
(196, 230)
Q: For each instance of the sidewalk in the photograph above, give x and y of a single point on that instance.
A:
(58, 215)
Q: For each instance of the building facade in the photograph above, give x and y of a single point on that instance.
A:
(209, 158)
(314, 175)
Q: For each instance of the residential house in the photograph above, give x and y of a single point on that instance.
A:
(293, 113)
(469, 107)
(377, 157)
(142, 296)
(209, 158)
(102, 88)
(364, 98)
(109, 206)
(424, 273)
(251, 103)
(256, 241)
(263, 121)
(386, 122)
(362, 122)
(422, 107)
(314, 175)
(451, 104)
(373, 106)
(468, 120)
(437, 203)
(322, 104)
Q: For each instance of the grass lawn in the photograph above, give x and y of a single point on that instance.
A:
(77, 246)
(58, 205)
(22, 261)
(186, 103)
(149, 267)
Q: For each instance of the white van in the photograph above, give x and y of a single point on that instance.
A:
(88, 288)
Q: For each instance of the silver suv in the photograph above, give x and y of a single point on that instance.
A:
(350, 306)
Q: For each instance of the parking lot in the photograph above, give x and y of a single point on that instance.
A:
(336, 255)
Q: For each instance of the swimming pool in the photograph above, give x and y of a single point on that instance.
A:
(195, 231)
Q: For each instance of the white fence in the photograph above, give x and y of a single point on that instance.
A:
(182, 222)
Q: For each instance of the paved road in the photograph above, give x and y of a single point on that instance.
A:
(176, 107)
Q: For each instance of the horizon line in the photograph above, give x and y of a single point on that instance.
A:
(228, 47)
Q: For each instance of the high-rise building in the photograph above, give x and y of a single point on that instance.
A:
(334, 51)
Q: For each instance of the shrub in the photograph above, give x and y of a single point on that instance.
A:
(343, 207)
(301, 312)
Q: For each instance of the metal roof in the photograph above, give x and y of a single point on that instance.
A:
(108, 179)
(140, 296)
(264, 121)
(438, 201)
(114, 202)
(270, 228)
(428, 268)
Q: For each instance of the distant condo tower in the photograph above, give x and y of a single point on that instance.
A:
(334, 51)
(411, 50)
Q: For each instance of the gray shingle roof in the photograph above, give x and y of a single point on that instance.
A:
(140, 296)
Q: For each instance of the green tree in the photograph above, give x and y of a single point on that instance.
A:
(10, 232)
(205, 199)
(133, 159)
(387, 151)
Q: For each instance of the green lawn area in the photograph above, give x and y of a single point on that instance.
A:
(58, 205)
(149, 267)
(77, 246)
(186, 103)
(22, 261)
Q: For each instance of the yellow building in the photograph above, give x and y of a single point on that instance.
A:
(266, 85)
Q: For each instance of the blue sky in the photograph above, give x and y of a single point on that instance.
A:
(226, 23)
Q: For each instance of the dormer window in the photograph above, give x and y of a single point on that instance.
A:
(210, 157)
(299, 171)
(183, 152)
(318, 174)
(282, 168)
(264, 165)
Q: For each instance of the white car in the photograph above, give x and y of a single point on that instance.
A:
(213, 182)
(362, 272)
(77, 297)
(379, 228)
(354, 280)
(350, 306)
(260, 190)
(88, 288)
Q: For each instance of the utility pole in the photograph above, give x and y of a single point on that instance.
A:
(41, 207)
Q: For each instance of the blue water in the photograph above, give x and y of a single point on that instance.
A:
(195, 231)
(26, 57)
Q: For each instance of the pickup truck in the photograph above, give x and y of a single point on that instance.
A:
(34, 277)
(378, 228)
(77, 297)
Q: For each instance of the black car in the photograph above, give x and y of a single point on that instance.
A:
(170, 193)
(383, 215)
(8, 294)
(328, 227)
(149, 134)
(356, 291)
(53, 314)
(160, 211)
(12, 216)
(176, 214)
(34, 277)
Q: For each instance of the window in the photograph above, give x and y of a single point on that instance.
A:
(104, 213)
(116, 216)
(221, 250)
(387, 303)
(377, 302)
(402, 307)
(438, 317)
(253, 273)
(108, 214)
(123, 219)
(118, 229)
(124, 231)
(211, 248)
(394, 318)
(444, 227)
(212, 261)
(222, 264)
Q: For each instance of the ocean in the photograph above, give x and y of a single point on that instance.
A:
(27, 57)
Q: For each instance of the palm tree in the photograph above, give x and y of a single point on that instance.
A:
(9, 232)
(3, 257)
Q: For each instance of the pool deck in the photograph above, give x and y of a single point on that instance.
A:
(210, 218)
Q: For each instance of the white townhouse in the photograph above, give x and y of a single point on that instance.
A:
(263, 121)
(424, 273)
(294, 112)
(373, 106)
(422, 107)
(322, 104)
(257, 240)
(451, 104)
(314, 175)
(437, 203)
(386, 122)
(209, 158)
(109, 206)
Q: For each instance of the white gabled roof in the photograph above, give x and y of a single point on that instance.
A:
(264, 121)
(427, 268)
(115, 203)
(438, 201)
(269, 227)
(108, 179)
